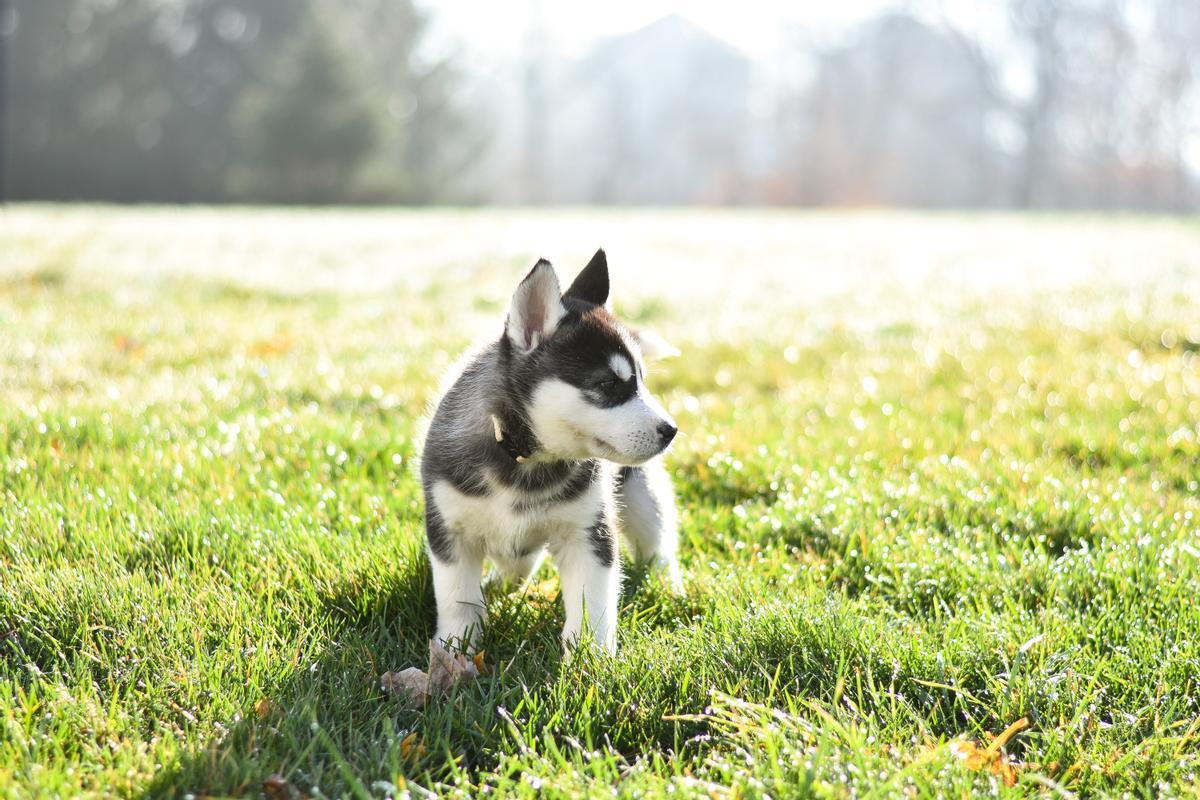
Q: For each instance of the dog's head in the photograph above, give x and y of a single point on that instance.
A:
(578, 371)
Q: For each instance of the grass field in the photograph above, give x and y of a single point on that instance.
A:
(939, 475)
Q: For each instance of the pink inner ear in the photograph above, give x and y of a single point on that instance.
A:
(533, 327)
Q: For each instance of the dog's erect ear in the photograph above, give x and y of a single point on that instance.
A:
(654, 346)
(591, 284)
(536, 308)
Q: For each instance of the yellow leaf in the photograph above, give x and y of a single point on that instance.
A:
(275, 346)
(969, 753)
(973, 757)
(1008, 733)
(411, 746)
(262, 708)
(129, 346)
(1006, 769)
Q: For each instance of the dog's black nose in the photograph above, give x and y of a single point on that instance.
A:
(666, 432)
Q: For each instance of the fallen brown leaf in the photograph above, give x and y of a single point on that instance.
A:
(276, 787)
(412, 682)
(542, 592)
(991, 758)
(445, 670)
(1008, 733)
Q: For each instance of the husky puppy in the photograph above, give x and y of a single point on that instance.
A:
(547, 441)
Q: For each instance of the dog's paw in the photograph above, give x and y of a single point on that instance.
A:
(571, 643)
(671, 574)
(463, 638)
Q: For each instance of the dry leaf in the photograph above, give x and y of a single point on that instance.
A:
(263, 708)
(1006, 769)
(441, 668)
(445, 670)
(991, 757)
(412, 683)
(276, 787)
(970, 754)
(1008, 733)
(976, 758)
(542, 592)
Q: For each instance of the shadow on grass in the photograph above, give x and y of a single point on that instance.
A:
(327, 724)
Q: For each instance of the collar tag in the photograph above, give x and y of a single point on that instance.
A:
(506, 444)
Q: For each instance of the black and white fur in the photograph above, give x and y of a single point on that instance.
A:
(548, 441)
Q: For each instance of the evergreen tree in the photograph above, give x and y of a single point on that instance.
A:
(131, 101)
(309, 126)
(427, 138)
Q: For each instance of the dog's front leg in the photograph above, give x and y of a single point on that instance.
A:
(457, 584)
(589, 571)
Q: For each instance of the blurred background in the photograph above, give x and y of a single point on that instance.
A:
(959, 103)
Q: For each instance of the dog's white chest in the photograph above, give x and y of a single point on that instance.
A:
(506, 524)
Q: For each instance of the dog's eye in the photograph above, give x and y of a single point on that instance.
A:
(612, 385)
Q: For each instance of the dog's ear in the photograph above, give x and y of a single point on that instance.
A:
(591, 284)
(654, 346)
(536, 308)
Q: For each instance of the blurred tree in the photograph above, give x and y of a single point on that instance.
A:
(1045, 103)
(354, 109)
(426, 138)
(308, 127)
(894, 117)
(164, 100)
(1110, 105)
(657, 115)
(1039, 24)
(130, 100)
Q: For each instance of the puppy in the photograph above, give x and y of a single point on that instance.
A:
(548, 441)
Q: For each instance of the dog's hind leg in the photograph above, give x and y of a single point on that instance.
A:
(646, 501)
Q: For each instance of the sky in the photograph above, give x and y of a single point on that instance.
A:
(486, 34)
(498, 30)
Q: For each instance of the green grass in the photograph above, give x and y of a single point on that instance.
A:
(938, 474)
